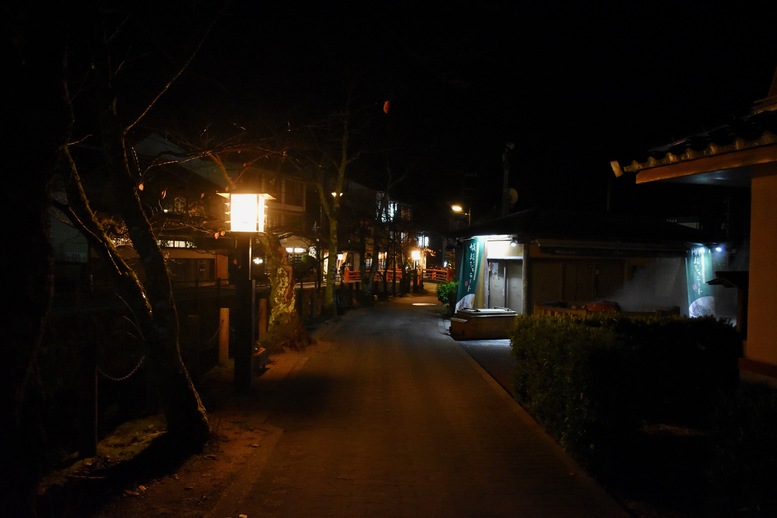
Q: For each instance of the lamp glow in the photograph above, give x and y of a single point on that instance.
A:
(246, 211)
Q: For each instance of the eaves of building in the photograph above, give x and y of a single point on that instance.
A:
(724, 156)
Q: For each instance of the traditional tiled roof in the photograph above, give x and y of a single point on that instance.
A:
(757, 129)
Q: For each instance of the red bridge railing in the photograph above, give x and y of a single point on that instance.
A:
(428, 274)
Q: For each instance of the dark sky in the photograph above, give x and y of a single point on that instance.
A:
(572, 84)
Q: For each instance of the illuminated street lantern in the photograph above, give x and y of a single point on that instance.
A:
(416, 275)
(246, 211)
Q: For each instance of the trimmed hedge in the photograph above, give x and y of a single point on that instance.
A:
(592, 381)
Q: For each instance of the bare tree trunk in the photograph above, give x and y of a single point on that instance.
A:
(285, 327)
(331, 270)
(158, 318)
(152, 304)
(377, 238)
(40, 124)
(368, 282)
(331, 205)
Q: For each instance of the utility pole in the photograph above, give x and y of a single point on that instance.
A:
(506, 177)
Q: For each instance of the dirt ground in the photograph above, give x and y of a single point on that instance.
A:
(194, 487)
(185, 489)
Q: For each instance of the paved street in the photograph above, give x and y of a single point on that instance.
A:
(391, 417)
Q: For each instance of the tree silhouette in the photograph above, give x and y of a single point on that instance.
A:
(105, 100)
(37, 111)
(79, 93)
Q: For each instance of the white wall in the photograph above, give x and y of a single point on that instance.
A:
(762, 294)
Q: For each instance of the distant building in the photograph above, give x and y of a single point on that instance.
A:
(572, 259)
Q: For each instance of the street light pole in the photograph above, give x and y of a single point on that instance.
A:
(458, 209)
(506, 177)
(244, 330)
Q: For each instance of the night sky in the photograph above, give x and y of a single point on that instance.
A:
(573, 85)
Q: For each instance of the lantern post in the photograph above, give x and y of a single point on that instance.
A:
(246, 214)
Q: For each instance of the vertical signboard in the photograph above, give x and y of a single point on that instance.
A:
(698, 270)
(470, 292)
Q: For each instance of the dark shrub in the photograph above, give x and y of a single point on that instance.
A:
(743, 473)
(679, 365)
